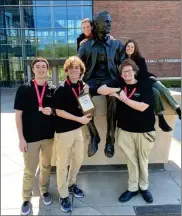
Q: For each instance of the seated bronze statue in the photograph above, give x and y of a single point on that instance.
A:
(102, 55)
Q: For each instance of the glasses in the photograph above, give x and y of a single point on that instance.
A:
(128, 71)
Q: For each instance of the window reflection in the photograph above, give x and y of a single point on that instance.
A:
(9, 2)
(46, 28)
(59, 17)
(83, 2)
(10, 17)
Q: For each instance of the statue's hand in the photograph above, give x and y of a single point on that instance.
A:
(86, 88)
(83, 41)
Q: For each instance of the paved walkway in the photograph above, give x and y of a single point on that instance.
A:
(102, 189)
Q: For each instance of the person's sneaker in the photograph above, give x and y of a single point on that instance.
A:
(65, 204)
(25, 208)
(47, 199)
(127, 195)
(147, 196)
(77, 192)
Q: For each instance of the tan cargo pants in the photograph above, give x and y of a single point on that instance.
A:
(38, 153)
(137, 148)
(69, 148)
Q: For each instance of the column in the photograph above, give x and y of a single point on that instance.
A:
(55, 78)
(29, 73)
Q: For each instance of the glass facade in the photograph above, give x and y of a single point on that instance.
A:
(30, 28)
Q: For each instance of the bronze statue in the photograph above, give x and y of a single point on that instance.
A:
(102, 55)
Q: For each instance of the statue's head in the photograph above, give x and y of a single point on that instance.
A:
(102, 22)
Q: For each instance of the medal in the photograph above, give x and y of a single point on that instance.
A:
(40, 109)
(40, 97)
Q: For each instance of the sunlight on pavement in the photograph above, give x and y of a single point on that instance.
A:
(175, 152)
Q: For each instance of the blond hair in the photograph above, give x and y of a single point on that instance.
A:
(72, 61)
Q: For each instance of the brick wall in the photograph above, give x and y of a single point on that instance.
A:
(155, 25)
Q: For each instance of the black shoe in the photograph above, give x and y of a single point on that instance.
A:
(76, 191)
(93, 145)
(163, 124)
(178, 111)
(109, 150)
(127, 195)
(65, 204)
(147, 196)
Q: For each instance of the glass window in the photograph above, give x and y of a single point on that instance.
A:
(41, 2)
(87, 12)
(62, 74)
(9, 2)
(76, 14)
(72, 35)
(45, 50)
(72, 49)
(10, 17)
(11, 40)
(83, 2)
(61, 36)
(59, 17)
(37, 17)
(58, 2)
(8, 51)
(30, 51)
(35, 2)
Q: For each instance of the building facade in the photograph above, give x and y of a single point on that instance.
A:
(49, 28)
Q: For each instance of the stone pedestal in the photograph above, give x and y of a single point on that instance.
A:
(159, 153)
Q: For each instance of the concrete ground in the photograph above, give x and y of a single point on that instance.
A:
(102, 189)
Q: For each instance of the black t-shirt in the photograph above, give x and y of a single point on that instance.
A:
(64, 99)
(36, 125)
(130, 119)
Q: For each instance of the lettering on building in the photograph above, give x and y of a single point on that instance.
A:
(151, 61)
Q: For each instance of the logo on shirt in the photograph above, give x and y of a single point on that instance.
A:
(137, 94)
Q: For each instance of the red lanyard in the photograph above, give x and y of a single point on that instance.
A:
(132, 93)
(40, 97)
(73, 90)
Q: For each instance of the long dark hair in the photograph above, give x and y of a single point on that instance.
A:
(136, 54)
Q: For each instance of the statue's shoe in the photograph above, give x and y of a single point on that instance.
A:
(109, 150)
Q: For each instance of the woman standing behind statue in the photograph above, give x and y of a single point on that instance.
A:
(87, 29)
(88, 32)
(132, 51)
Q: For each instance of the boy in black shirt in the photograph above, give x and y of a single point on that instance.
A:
(34, 121)
(69, 139)
(136, 119)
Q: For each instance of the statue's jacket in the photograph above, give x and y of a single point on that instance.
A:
(88, 53)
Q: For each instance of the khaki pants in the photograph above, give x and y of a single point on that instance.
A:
(38, 153)
(137, 149)
(69, 147)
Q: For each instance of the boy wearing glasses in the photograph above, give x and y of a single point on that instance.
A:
(136, 133)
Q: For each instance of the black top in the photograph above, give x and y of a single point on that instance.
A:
(64, 99)
(130, 119)
(79, 39)
(36, 125)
